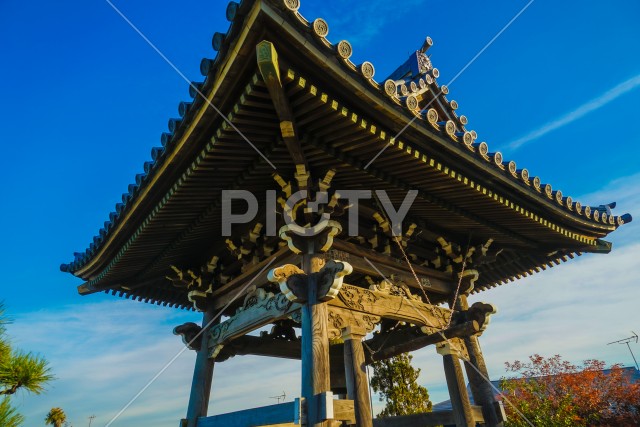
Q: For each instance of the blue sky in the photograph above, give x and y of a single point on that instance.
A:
(85, 99)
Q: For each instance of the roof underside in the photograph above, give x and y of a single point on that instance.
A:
(171, 216)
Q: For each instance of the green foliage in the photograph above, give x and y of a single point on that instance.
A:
(9, 417)
(555, 393)
(18, 371)
(396, 382)
(56, 417)
(24, 371)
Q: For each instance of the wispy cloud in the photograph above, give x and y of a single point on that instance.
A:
(574, 310)
(103, 353)
(581, 111)
(378, 13)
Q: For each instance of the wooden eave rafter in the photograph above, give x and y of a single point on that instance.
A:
(400, 149)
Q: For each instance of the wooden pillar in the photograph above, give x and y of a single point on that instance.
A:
(356, 375)
(481, 389)
(202, 375)
(315, 345)
(457, 391)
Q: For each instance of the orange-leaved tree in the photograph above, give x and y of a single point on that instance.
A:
(553, 392)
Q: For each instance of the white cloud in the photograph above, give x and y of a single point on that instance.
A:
(581, 111)
(102, 354)
(574, 311)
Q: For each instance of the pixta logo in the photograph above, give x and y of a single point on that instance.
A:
(353, 197)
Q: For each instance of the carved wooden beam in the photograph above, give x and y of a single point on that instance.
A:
(382, 304)
(392, 287)
(260, 308)
(341, 318)
(480, 313)
(190, 335)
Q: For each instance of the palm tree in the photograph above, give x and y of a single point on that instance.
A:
(56, 417)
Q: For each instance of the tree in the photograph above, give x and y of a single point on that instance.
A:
(56, 417)
(18, 371)
(9, 417)
(396, 382)
(553, 392)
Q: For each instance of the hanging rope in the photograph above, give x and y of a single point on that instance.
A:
(464, 264)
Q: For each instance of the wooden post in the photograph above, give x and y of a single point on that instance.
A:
(356, 375)
(202, 375)
(460, 404)
(481, 389)
(315, 344)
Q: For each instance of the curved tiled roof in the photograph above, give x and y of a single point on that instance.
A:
(405, 93)
(418, 94)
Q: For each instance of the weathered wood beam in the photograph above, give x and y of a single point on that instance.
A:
(269, 347)
(260, 346)
(202, 374)
(343, 411)
(315, 345)
(356, 375)
(412, 339)
(477, 373)
(462, 413)
(270, 69)
(431, 280)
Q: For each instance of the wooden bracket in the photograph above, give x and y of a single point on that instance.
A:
(199, 286)
(452, 255)
(297, 236)
(294, 283)
(190, 333)
(453, 347)
(467, 281)
(340, 319)
(481, 313)
(392, 287)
